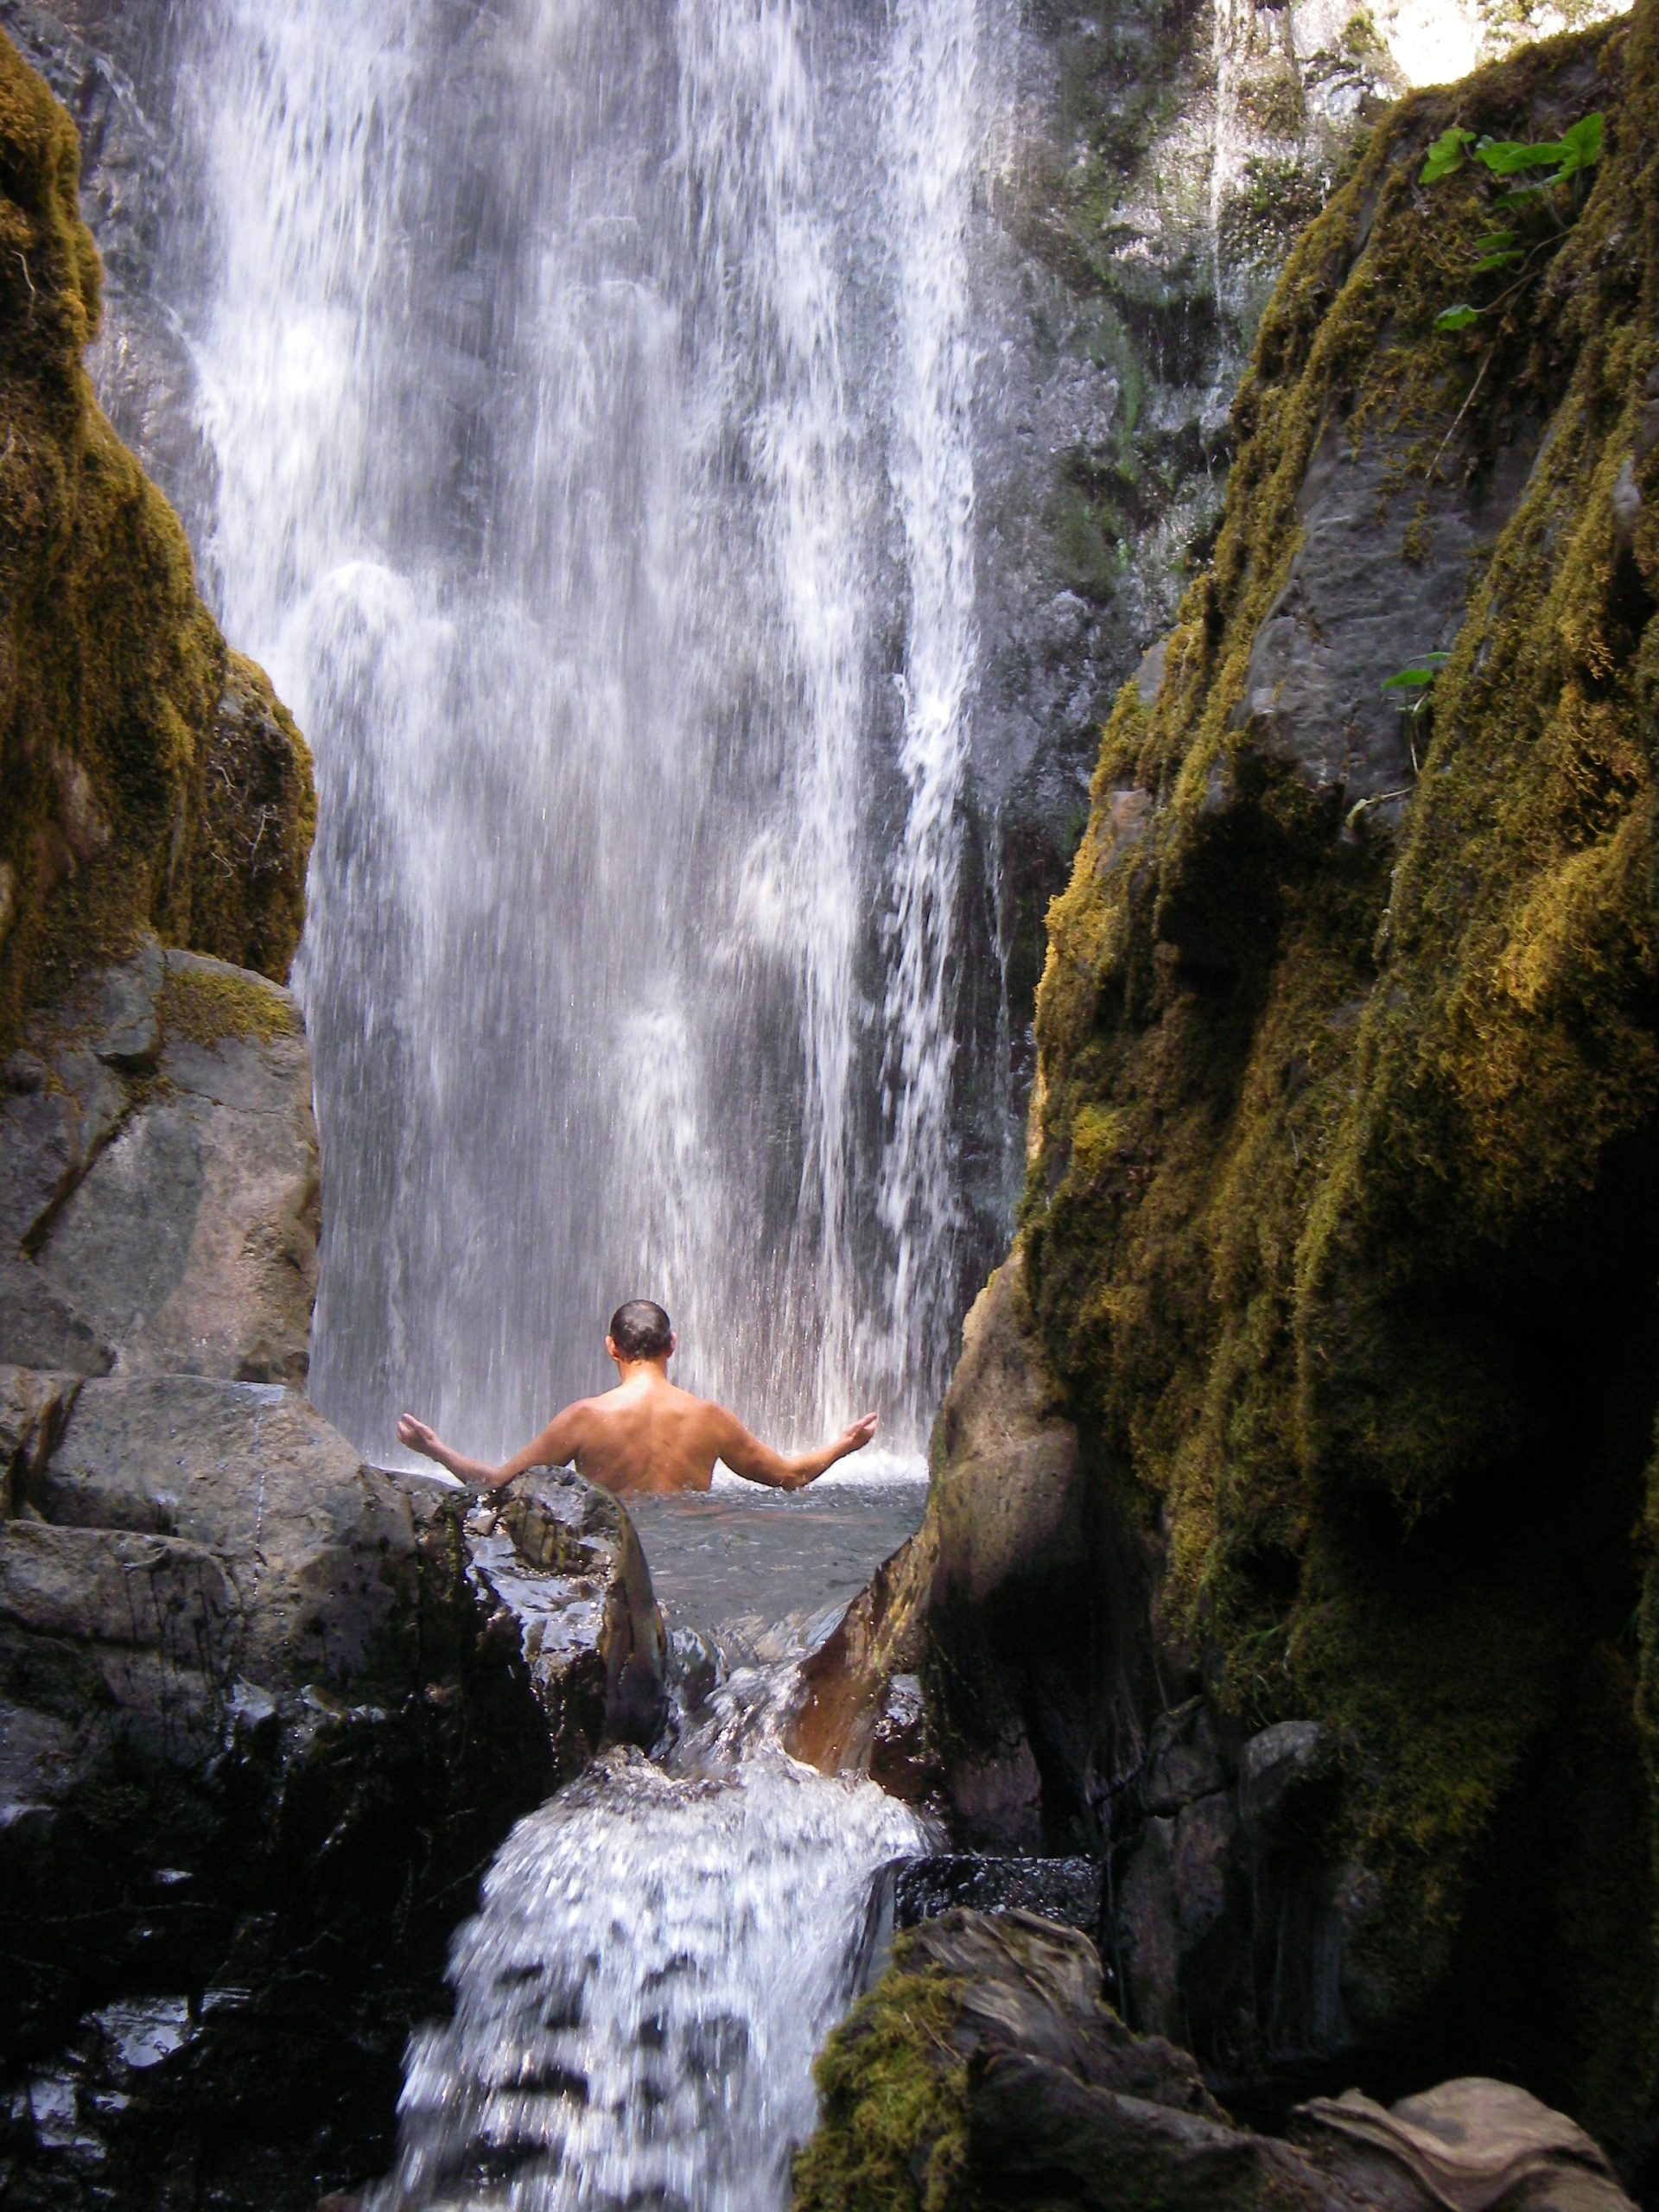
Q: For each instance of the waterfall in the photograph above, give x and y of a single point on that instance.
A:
(934, 131)
(662, 1950)
(591, 396)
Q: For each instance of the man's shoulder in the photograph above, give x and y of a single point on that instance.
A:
(688, 1401)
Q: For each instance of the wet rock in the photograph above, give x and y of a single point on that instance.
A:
(561, 1562)
(1184, 1759)
(1148, 1932)
(1067, 1891)
(256, 1737)
(1274, 1769)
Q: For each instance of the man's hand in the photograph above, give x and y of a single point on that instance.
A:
(418, 1437)
(819, 1462)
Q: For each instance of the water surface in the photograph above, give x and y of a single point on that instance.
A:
(741, 1553)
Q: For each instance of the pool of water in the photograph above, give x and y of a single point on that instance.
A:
(740, 1555)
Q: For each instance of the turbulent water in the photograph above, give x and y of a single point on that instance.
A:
(664, 1947)
(590, 391)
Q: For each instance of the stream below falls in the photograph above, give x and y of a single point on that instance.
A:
(664, 1946)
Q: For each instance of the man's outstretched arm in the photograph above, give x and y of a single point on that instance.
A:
(756, 1462)
(556, 1444)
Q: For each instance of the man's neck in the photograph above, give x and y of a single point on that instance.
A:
(640, 1371)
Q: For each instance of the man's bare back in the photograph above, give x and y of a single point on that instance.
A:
(647, 1434)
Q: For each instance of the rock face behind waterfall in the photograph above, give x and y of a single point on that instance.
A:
(1282, 1525)
(986, 2069)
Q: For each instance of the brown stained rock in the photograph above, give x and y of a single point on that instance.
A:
(1471, 2145)
(989, 1607)
(33, 1409)
(848, 1720)
(1004, 1507)
(1007, 1497)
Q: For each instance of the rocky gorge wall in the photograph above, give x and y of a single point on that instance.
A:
(1290, 1537)
(150, 780)
(265, 1711)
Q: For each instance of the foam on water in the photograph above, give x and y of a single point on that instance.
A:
(662, 1950)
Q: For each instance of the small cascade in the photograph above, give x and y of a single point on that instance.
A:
(662, 1950)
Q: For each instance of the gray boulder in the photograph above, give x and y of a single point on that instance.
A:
(158, 1178)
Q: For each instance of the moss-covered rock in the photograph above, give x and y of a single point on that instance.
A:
(986, 2070)
(1341, 1233)
(148, 778)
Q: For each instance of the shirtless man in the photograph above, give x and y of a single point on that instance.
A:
(647, 1434)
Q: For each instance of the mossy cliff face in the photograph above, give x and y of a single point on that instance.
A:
(148, 777)
(1340, 1242)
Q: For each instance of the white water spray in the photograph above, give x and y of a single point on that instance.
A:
(591, 394)
(661, 1953)
(935, 131)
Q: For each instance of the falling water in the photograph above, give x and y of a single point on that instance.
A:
(662, 1950)
(591, 394)
(933, 134)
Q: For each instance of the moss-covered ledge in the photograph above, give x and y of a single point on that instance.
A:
(149, 777)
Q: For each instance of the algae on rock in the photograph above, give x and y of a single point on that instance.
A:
(148, 778)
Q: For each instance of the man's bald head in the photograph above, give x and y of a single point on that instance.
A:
(640, 1330)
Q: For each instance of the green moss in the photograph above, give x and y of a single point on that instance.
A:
(132, 795)
(208, 1007)
(1340, 1227)
(893, 2090)
(1273, 104)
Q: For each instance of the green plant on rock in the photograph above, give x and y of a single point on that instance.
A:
(1413, 689)
(1541, 209)
(893, 2090)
